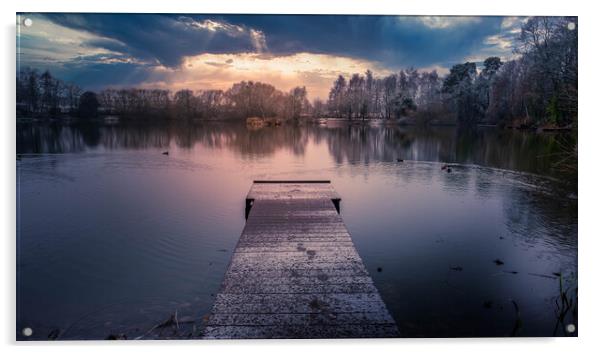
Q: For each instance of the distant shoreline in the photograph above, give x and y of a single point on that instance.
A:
(313, 121)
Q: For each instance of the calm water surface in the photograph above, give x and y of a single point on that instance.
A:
(113, 236)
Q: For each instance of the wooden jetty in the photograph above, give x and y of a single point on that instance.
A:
(295, 272)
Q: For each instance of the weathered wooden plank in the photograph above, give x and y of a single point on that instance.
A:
(293, 238)
(301, 267)
(298, 303)
(327, 247)
(262, 288)
(317, 243)
(299, 273)
(309, 255)
(301, 226)
(243, 280)
(280, 233)
(300, 319)
(295, 272)
(275, 191)
(319, 210)
(317, 331)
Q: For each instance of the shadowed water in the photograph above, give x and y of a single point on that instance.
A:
(114, 236)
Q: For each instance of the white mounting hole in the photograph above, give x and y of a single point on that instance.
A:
(27, 331)
(570, 328)
(571, 26)
(27, 22)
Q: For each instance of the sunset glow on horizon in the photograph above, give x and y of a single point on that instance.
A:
(219, 71)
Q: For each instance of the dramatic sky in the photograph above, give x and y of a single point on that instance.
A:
(213, 51)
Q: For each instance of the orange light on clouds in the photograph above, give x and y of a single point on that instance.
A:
(219, 71)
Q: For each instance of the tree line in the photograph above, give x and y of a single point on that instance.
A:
(394, 96)
(45, 96)
(244, 99)
(537, 88)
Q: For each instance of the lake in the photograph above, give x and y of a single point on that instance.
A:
(113, 236)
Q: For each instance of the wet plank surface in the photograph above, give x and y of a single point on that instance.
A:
(268, 190)
(295, 272)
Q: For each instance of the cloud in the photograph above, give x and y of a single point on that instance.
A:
(46, 42)
(165, 39)
(513, 23)
(216, 64)
(500, 41)
(440, 22)
(213, 26)
(111, 45)
(500, 44)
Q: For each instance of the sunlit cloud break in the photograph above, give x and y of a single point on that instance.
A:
(219, 71)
